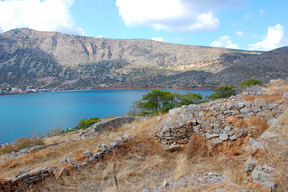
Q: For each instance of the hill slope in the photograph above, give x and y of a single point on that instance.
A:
(50, 59)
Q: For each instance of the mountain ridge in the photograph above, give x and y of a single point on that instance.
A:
(57, 60)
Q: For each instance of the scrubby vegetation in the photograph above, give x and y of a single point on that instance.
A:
(250, 82)
(83, 124)
(224, 91)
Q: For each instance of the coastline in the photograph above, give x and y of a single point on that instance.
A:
(112, 88)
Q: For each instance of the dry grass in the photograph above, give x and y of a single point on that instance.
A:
(283, 124)
(20, 144)
(271, 98)
(53, 155)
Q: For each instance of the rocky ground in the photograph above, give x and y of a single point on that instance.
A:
(235, 144)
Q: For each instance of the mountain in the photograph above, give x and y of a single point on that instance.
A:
(56, 60)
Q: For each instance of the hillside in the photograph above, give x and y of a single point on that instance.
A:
(235, 144)
(56, 60)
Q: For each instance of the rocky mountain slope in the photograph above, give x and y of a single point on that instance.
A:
(56, 60)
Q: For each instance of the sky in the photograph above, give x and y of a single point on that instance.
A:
(238, 24)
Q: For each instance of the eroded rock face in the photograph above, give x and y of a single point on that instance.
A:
(213, 120)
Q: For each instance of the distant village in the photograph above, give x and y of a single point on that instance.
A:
(6, 89)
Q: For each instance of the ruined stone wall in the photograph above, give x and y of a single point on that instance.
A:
(213, 120)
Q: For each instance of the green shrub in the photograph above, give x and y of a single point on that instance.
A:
(224, 91)
(85, 123)
(250, 82)
(190, 98)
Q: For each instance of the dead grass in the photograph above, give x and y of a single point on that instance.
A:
(20, 144)
(271, 98)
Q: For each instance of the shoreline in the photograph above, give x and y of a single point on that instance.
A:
(112, 88)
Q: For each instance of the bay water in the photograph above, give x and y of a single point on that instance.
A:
(35, 114)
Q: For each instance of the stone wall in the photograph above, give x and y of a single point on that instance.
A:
(108, 124)
(213, 120)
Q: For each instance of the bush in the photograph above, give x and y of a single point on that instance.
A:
(224, 91)
(190, 98)
(250, 82)
(85, 123)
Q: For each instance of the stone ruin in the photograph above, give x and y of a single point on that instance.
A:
(211, 120)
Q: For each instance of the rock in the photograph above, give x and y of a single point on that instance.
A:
(23, 172)
(257, 144)
(108, 124)
(269, 134)
(270, 185)
(241, 105)
(233, 137)
(126, 136)
(283, 142)
(209, 136)
(227, 128)
(215, 141)
(249, 165)
(260, 102)
(229, 105)
(223, 136)
(244, 110)
(87, 153)
(67, 160)
(263, 175)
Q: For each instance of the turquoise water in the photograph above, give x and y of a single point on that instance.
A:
(35, 114)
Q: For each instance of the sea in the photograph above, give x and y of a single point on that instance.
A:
(33, 115)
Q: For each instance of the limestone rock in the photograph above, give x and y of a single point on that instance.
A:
(87, 153)
(223, 136)
(249, 165)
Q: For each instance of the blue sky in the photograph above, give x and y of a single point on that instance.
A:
(240, 24)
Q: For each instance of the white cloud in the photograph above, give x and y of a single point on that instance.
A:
(99, 36)
(177, 15)
(240, 33)
(273, 39)
(158, 39)
(44, 15)
(224, 41)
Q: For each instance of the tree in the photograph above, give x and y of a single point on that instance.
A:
(250, 82)
(190, 98)
(224, 91)
(156, 101)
